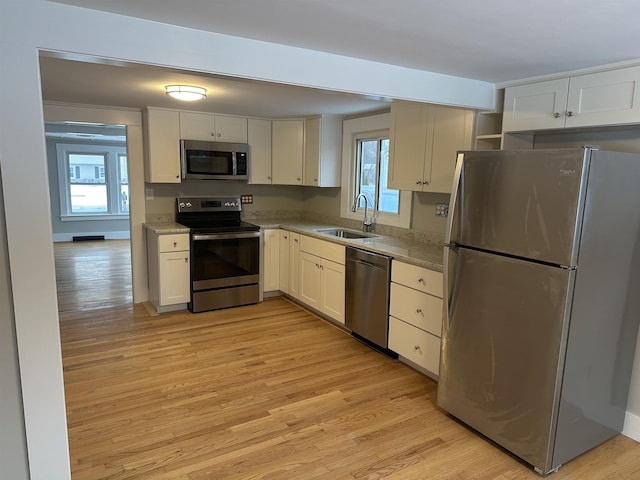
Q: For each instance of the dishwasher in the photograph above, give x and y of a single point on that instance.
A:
(367, 297)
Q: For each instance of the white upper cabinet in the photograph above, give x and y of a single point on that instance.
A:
(424, 140)
(597, 99)
(259, 136)
(322, 151)
(287, 151)
(162, 142)
(212, 127)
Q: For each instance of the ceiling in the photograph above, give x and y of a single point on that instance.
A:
(495, 40)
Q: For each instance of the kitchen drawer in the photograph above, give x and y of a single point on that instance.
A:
(323, 249)
(415, 345)
(416, 277)
(417, 308)
(334, 252)
(311, 245)
(173, 243)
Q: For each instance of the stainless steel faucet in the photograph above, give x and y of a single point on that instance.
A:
(366, 223)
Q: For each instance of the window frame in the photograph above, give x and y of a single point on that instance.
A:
(361, 128)
(112, 155)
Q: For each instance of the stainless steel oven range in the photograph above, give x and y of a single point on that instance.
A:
(225, 253)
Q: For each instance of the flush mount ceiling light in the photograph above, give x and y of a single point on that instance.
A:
(188, 93)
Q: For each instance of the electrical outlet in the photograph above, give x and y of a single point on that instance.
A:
(442, 209)
(246, 199)
(148, 193)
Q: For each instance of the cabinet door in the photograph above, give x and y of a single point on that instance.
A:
(332, 290)
(294, 264)
(174, 278)
(536, 106)
(287, 148)
(259, 137)
(409, 137)
(162, 159)
(271, 260)
(284, 261)
(452, 131)
(605, 98)
(230, 129)
(310, 280)
(312, 134)
(197, 126)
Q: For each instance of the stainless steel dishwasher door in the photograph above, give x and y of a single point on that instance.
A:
(367, 295)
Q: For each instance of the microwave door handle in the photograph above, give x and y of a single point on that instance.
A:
(234, 164)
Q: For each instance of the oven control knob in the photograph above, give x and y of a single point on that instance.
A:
(188, 204)
(181, 204)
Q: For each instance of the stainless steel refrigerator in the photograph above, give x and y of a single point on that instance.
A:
(542, 290)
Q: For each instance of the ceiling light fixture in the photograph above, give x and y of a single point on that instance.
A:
(188, 93)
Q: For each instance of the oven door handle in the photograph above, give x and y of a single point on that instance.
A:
(224, 236)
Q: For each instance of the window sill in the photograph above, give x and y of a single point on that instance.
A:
(81, 218)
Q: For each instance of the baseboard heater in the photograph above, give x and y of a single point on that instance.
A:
(87, 238)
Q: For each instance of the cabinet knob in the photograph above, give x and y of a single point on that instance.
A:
(419, 311)
(186, 259)
(286, 238)
(556, 115)
(219, 135)
(425, 182)
(175, 244)
(298, 178)
(421, 280)
(419, 182)
(295, 240)
(213, 134)
(569, 113)
(268, 178)
(416, 348)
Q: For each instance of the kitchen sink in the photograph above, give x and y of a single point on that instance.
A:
(343, 233)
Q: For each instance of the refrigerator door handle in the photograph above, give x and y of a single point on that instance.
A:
(449, 245)
(454, 198)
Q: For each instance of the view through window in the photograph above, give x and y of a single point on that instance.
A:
(372, 166)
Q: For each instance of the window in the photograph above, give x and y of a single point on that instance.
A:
(365, 170)
(93, 181)
(372, 167)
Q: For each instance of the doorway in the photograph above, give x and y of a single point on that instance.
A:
(89, 189)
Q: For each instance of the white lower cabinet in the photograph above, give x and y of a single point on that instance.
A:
(271, 260)
(415, 315)
(322, 276)
(169, 274)
(294, 264)
(284, 260)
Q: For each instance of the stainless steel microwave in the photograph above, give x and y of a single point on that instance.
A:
(202, 160)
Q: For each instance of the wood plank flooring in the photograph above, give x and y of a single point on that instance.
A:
(92, 275)
(267, 391)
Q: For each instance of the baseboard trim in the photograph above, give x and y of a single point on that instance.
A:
(68, 237)
(632, 426)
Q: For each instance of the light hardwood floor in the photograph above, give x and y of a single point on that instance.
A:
(92, 275)
(267, 391)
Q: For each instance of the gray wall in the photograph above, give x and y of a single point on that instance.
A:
(13, 447)
(82, 227)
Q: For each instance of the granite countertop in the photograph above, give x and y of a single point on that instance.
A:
(166, 228)
(423, 254)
